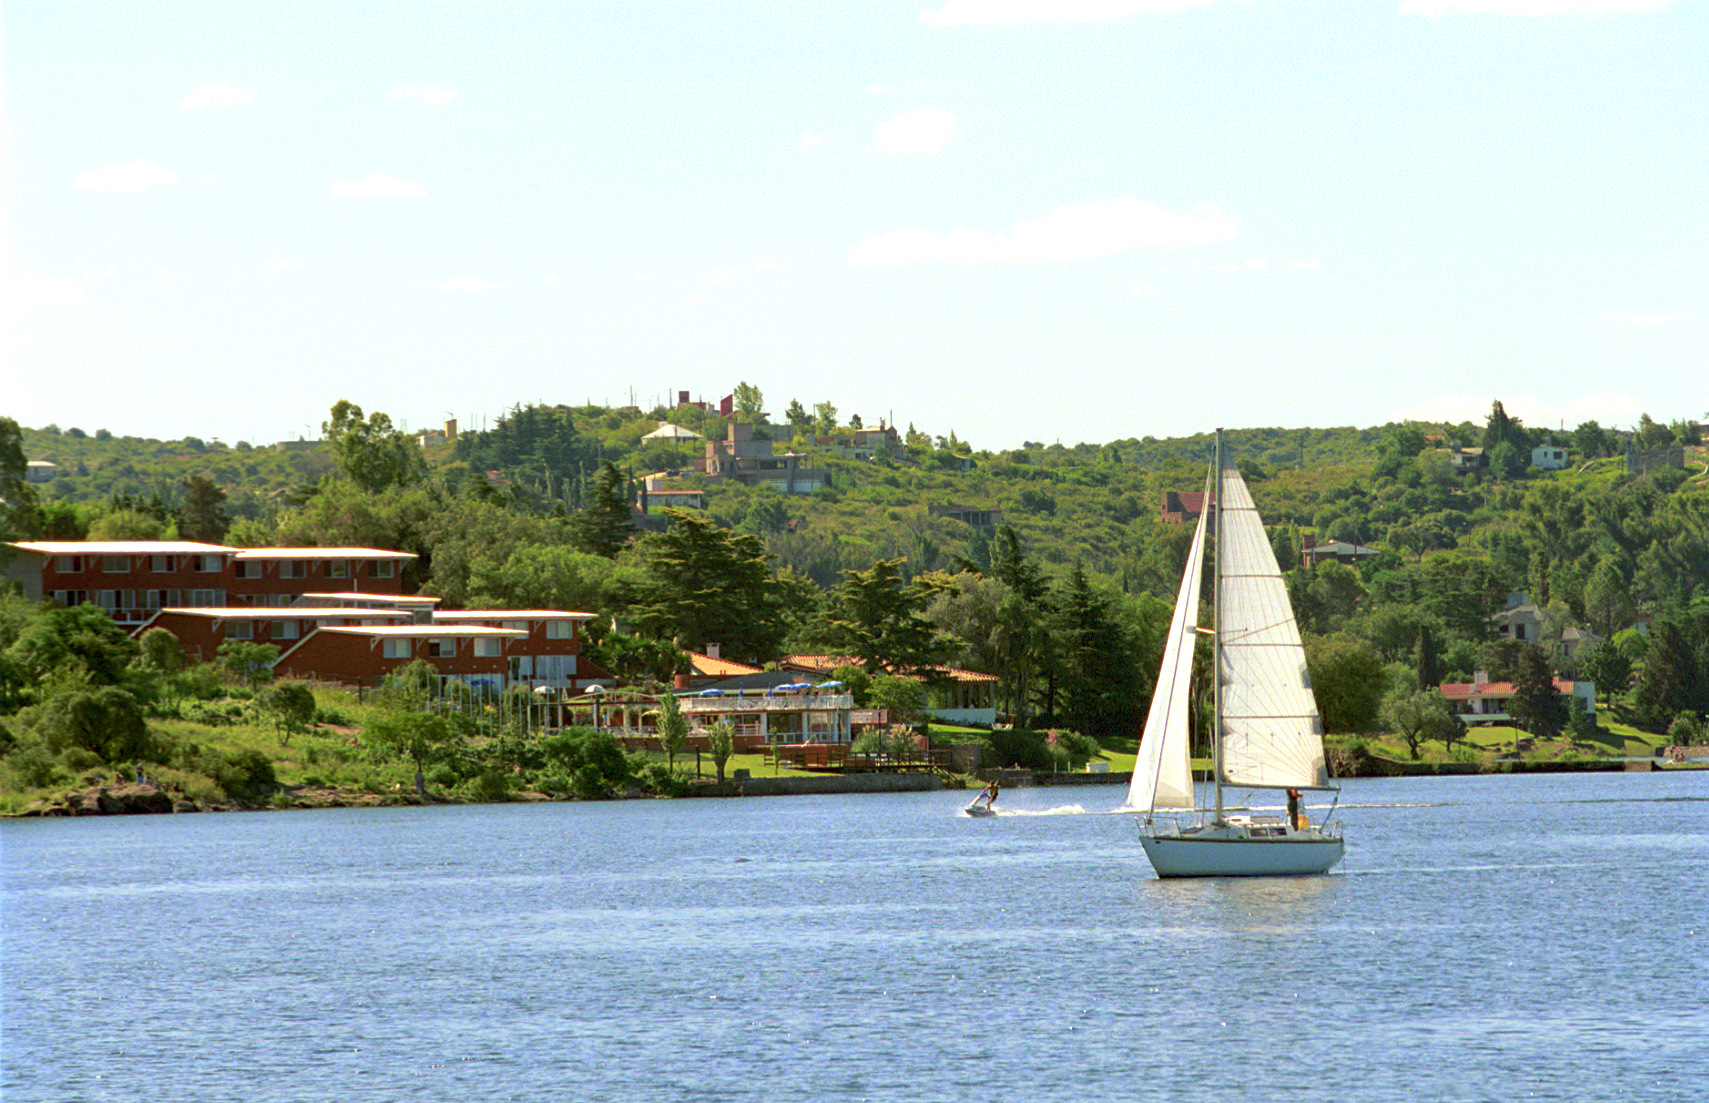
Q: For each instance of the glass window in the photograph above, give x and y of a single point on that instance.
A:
(560, 629)
(208, 564)
(293, 568)
(487, 648)
(68, 564)
(396, 649)
(338, 568)
(286, 629)
(115, 564)
(160, 564)
(443, 648)
(382, 568)
(240, 630)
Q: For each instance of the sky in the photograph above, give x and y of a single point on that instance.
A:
(1017, 220)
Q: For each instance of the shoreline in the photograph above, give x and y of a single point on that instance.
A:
(147, 798)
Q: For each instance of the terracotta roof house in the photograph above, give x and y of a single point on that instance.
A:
(1312, 553)
(965, 696)
(1481, 701)
(1184, 505)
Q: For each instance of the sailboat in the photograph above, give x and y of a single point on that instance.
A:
(1266, 734)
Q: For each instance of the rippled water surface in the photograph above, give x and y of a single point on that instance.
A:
(1486, 938)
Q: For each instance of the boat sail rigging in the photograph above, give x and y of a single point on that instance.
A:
(1266, 731)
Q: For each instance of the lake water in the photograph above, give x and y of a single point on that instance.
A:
(1486, 938)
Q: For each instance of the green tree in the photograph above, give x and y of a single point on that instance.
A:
(1101, 680)
(104, 720)
(902, 698)
(799, 419)
(1348, 681)
(606, 523)
(878, 617)
(1605, 664)
(422, 737)
(1537, 705)
(370, 452)
(19, 517)
(1667, 680)
(77, 643)
(703, 584)
(1420, 715)
(1607, 604)
(202, 515)
(749, 403)
(673, 728)
(291, 706)
(721, 743)
(825, 418)
(250, 663)
(128, 524)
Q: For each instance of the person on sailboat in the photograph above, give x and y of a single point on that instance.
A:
(1294, 809)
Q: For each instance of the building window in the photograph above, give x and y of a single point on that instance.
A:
(206, 599)
(247, 568)
(209, 564)
(515, 625)
(286, 629)
(240, 630)
(108, 600)
(487, 648)
(160, 564)
(293, 568)
(560, 629)
(69, 598)
(442, 648)
(382, 568)
(338, 568)
(115, 564)
(396, 649)
(68, 564)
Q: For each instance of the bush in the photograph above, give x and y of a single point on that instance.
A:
(33, 767)
(1020, 749)
(107, 722)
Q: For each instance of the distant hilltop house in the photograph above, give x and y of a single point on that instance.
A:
(965, 696)
(671, 432)
(872, 441)
(1639, 462)
(429, 438)
(1481, 701)
(968, 515)
(1549, 457)
(656, 490)
(1465, 457)
(40, 471)
(1526, 622)
(1184, 505)
(742, 459)
(298, 445)
(1312, 553)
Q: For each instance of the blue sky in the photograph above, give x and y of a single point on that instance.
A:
(1079, 221)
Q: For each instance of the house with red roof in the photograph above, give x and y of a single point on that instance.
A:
(1481, 701)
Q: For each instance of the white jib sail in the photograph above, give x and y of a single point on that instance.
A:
(1271, 734)
(1163, 771)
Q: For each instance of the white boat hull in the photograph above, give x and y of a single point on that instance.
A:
(1239, 851)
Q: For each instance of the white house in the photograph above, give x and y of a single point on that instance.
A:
(1549, 457)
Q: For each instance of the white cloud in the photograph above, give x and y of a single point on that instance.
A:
(1012, 12)
(1096, 229)
(134, 176)
(35, 290)
(274, 265)
(216, 94)
(1618, 318)
(376, 185)
(430, 94)
(922, 131)
(811, 139)
(1436, 9)
(466, 283)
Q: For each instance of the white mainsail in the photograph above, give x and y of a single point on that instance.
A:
(1163, 772)
(1271, 734)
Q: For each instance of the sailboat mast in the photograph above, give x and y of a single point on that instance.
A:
(1216, 636)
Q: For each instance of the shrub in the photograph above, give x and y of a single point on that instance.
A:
(107, 722)
(34, 767)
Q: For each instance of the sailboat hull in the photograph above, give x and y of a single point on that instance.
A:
(1234, 851)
